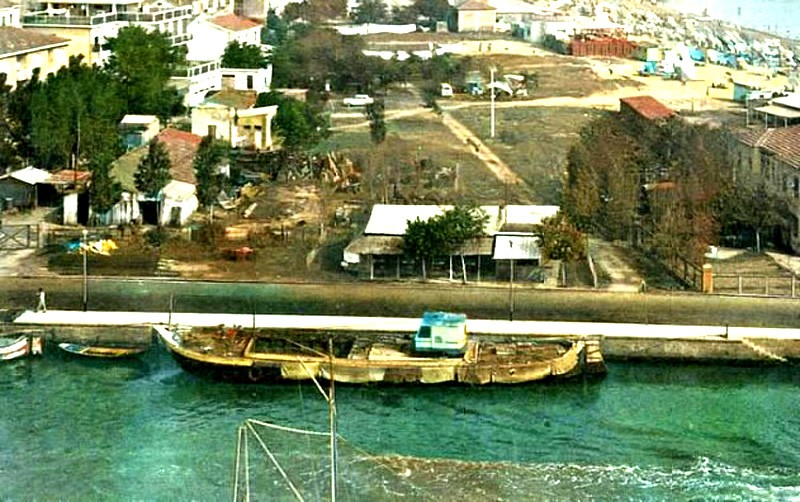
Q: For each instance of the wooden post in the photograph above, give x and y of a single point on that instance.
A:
(371, 268)
(766, 285)
(740, 284)
(398, 266)
(794, 278)
(479, 269)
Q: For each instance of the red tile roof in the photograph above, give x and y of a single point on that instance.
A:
(783, 142)
(233, 22)
(182, 147)
(16, 40)
(69, 177)
(474, 5)
(648, 107)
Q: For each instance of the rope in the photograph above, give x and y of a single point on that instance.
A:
(237, 464)
(246, 466)
(275, 463)
(314, 379)
(761, 350)
(286, 429)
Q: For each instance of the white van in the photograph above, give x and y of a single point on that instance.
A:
(446, 90)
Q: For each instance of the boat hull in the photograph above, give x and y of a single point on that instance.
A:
(20, 346)
(101, 352)
(253, 366)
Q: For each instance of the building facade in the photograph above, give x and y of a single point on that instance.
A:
(22, 52)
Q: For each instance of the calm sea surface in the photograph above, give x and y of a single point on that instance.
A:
(777, 16)
(146, 430)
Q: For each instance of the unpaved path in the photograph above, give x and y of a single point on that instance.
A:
(611, 259)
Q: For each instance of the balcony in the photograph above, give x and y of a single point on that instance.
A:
(198, 69)
(43, 18)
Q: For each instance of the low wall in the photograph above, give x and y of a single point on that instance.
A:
(87, 335)
(698, 350)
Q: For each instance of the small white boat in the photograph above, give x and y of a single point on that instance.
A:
(20, 346)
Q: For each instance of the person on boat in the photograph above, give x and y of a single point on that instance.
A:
(42, 305)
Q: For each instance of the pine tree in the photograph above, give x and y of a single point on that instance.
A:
(153, 172)
(209, 157)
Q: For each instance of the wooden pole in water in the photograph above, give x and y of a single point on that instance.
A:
(332, 420)
(171, 304)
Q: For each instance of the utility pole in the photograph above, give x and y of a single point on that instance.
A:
(85, 250)
(491, 91)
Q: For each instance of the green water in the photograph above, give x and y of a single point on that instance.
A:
(145, 430)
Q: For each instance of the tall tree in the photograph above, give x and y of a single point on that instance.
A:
(74, 116)
(210, 156)
(458, 226)
(377, 121)
(239, 55)
(142, 62)
(370, 11)
(104, 191)
(433, 10)
(559, 239)
(153, 173)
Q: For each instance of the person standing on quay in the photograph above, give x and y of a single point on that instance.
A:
(42, 306)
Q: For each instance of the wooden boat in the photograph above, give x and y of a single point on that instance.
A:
(106, 352)
(20, 346)
(364, 357)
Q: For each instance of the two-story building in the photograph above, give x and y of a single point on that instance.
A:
(773, 155)
(23, 51)
(211, 35)
(89, 24)
(232, 116)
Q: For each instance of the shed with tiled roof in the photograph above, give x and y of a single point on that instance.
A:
(646, 107)
(474, 15)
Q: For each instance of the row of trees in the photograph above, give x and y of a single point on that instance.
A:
(365, 11)
(673, 183)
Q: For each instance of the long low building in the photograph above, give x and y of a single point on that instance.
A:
(379, 251)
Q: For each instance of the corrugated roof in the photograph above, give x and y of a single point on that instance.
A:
(648, 107)
(392, 245)
(783, 142)
(779, 111)
(516, 247)
(474, 5)
(138, 119)
(788, 101)
(528, 215)
(19, 40)
(29, 175)
(232, 22)
(392, 219)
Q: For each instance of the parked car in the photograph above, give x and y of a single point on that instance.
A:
(358, 100)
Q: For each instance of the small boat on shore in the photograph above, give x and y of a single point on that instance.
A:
(439, 352)
(104, 352)
(20, 346)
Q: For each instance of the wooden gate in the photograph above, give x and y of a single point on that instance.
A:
(19, 237)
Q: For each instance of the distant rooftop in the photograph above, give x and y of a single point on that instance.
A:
(648, 107)
(232, 22)
(15, 41)
(474, 5)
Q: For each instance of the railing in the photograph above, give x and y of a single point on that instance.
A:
(107, 17)
(198, 69)
(760, 285)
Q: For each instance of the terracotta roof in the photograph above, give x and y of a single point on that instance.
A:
(69, 177)
(233, 22)
(783, 142)
(474, 5)
(181, 147)
(17, 40)
(241, 100)
(648, 107)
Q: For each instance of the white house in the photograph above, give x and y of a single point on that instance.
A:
(233, 117)
(211, 35)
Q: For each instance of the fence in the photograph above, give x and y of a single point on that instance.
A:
(762, 285)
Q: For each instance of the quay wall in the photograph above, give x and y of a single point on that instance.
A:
(700, 350)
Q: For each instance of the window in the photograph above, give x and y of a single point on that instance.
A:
(424, 332)
(249, 81)
(212, 131)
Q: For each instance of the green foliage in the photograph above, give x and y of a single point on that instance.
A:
(238, 55)
(551, 43)
(444, 234)
(104, 192)
(315, 11)
(301, 124)
(370, 11)
(153, 172)
(752, 204)
(275, 29)
(210, 156)
(560, 240)
(433, 10)
(142, 62)
(377, 122)
(74, 114)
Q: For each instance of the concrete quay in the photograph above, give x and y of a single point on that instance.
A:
(618, 340)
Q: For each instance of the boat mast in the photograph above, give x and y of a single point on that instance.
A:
(332, 422)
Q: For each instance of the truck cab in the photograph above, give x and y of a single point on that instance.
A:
(442, 333)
